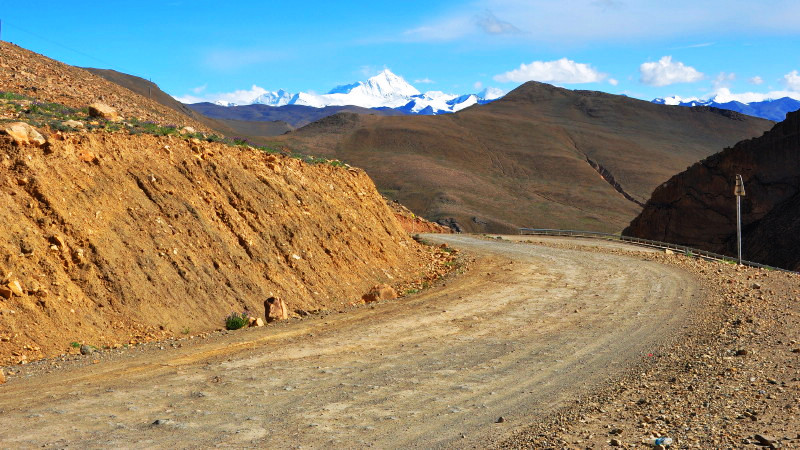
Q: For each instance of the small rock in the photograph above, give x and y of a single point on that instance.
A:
(500, 419)
(256, 322)
(25, 247)
(24, 134)
(741, 352)
(87, 349)
(668, 251)
(5, 292)
(2, 377)
(380, 292)
(16, 288)
(188, 130)
(765, 440)
(101, 110)
(615, 443)
(161, 422)
(756, 286)
(73, 123)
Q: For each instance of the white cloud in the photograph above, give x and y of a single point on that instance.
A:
(756, 80)
(559, 71)
(724, 95)
(489, 23)
(200, 89)
(792, 80)
(242, 96)
(723, 80)
(613, 81)
(665, 72)
(478, 86)
(424, 81)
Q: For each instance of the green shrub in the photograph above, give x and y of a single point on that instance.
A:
(235, 320)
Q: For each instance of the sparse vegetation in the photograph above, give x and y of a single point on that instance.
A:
(235, 320)
(75, 344)
(53, 115)
(411, 291)
(185, 330)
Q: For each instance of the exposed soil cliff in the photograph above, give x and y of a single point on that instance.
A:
(697, 207)
(114, 237)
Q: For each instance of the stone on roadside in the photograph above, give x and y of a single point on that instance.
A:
(24, 134)
(256, 322)
(275, 309)
(103, 111)
(767, 441)
(87, 349)
(5, 292)
(668, 251)
(379, 292)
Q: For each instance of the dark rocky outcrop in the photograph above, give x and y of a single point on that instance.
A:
(697, 207)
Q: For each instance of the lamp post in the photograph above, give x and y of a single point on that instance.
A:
(738, 191)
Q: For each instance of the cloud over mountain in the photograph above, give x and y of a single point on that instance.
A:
(562, 70)
(666, 72)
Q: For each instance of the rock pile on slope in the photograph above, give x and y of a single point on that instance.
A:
(116, 238)
(697, 207)
(34, 75)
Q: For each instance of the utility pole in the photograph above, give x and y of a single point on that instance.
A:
(738, 191)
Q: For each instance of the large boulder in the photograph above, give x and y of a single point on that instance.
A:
(103, 111)
(379, 292)
(275, 309)
(24, 134)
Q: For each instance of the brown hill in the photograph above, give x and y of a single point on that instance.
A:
(251, 130)
(697, 207)
(540, 157)
(114, 237)
(294, 115)
(47, 80)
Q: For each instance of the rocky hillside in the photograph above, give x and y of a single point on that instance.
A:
(34, 75)
(541, 156)
(697, 207)
(112, 237)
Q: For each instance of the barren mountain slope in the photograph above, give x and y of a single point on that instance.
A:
(35, 75)
(114, 237)
(251, 130)
(541, 157)
(697, 207)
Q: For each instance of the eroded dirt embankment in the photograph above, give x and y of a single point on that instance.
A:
(116, 238)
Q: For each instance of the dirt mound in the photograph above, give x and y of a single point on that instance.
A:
(114, 237)
(541, 156)
(35, 75)
(697, 207)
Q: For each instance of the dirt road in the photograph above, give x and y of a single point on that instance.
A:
(527, 329)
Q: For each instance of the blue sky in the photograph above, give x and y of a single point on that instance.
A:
(644, 49)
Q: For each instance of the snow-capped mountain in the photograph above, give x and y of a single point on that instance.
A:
(384, 90)
(273, 98)
(772, 109)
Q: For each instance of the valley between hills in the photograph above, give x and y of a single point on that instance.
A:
(133, 225)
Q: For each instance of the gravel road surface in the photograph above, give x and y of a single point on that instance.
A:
(526, 330)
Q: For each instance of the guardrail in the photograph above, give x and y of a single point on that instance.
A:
(689, 251)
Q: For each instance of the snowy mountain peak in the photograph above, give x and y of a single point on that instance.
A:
(384, 90)
(274, 98)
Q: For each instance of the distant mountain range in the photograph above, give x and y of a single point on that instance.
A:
(775, 110)
(383, 91)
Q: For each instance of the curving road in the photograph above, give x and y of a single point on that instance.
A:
(526, 330)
